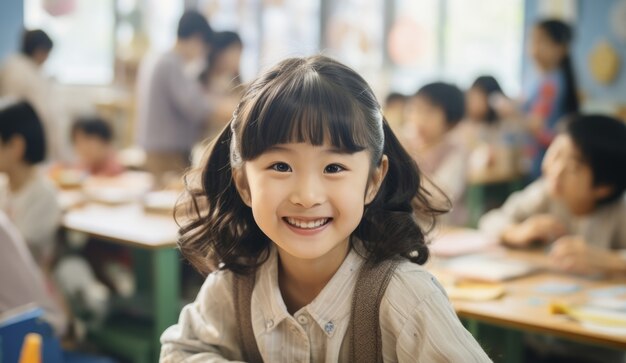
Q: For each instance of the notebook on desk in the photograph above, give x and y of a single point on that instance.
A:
(460, 242)
(488, 267)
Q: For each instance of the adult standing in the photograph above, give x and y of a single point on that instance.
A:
(21, 77)
(173, 110)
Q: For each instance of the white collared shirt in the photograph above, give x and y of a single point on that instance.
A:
(416, 318)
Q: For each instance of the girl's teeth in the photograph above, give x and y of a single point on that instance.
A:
(305, 224)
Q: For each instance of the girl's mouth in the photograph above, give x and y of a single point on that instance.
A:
(308, 224)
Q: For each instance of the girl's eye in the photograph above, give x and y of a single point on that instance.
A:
(281, 167)
(333, 169)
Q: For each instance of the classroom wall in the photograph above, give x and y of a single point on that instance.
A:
(592, 25)
(11, 23)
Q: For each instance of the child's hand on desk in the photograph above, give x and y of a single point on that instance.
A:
(573, 254)
(542, 227)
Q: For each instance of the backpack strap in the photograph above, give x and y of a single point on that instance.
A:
(242, 296)
(364, 329)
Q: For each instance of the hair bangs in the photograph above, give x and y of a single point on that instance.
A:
(304, 109)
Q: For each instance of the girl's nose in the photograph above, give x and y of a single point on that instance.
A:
(308, 192)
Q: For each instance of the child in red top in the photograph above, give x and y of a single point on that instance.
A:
(92, 138)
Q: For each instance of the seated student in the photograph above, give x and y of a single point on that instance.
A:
(431, 115)
(221, 78)
(92, 139)
(578, 204)
(32, 199)
(493, 142)
(481, 122)
(394, 109)
(21, 280)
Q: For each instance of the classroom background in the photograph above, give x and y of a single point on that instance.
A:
(115, 274)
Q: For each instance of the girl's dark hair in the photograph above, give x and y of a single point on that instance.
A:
(34, 40)
(489, 86)
(314, 100)
(562, 34)
(602, 142)
(20, 119)
(446, 96)
(93, 126)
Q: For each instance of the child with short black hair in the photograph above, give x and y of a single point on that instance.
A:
(304, 196)
(93, 138)
(32, 203)
(578, 205)
(432, 114)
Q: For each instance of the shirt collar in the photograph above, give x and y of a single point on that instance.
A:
(334, 302)
(328, 309)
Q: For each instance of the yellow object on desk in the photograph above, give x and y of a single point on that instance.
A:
(590, 314)
(474, 291)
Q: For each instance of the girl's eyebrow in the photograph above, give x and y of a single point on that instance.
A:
(338, 151)
(329, 150)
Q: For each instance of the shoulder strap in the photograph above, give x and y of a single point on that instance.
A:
(242, 296)
(364, 329)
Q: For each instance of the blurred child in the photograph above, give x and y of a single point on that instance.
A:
(394, 110)
(481, 120)
(578, 205)
(432, 114)
(222, 78)
(32, 201)
(493, 142)
(93, 139)
(222, 73)
(554, 94)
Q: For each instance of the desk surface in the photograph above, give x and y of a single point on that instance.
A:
(524, 308)
(126, 224)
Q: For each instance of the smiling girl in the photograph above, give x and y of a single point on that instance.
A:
(305, 198)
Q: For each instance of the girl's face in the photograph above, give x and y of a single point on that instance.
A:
(545, 52)
(569, 177)
(309, 199)
(428, 120)
(476, 104)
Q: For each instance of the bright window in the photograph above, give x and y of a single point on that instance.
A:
(83, 36)
(455, 41)
(490, 46)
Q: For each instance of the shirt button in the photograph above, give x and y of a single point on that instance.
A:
(303, 320)
(329, 327)
(269, 323)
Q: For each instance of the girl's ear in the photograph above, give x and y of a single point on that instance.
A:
(377, 179)
(241, 183)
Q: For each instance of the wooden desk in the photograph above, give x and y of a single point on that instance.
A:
(129, 225)
(525, 309)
